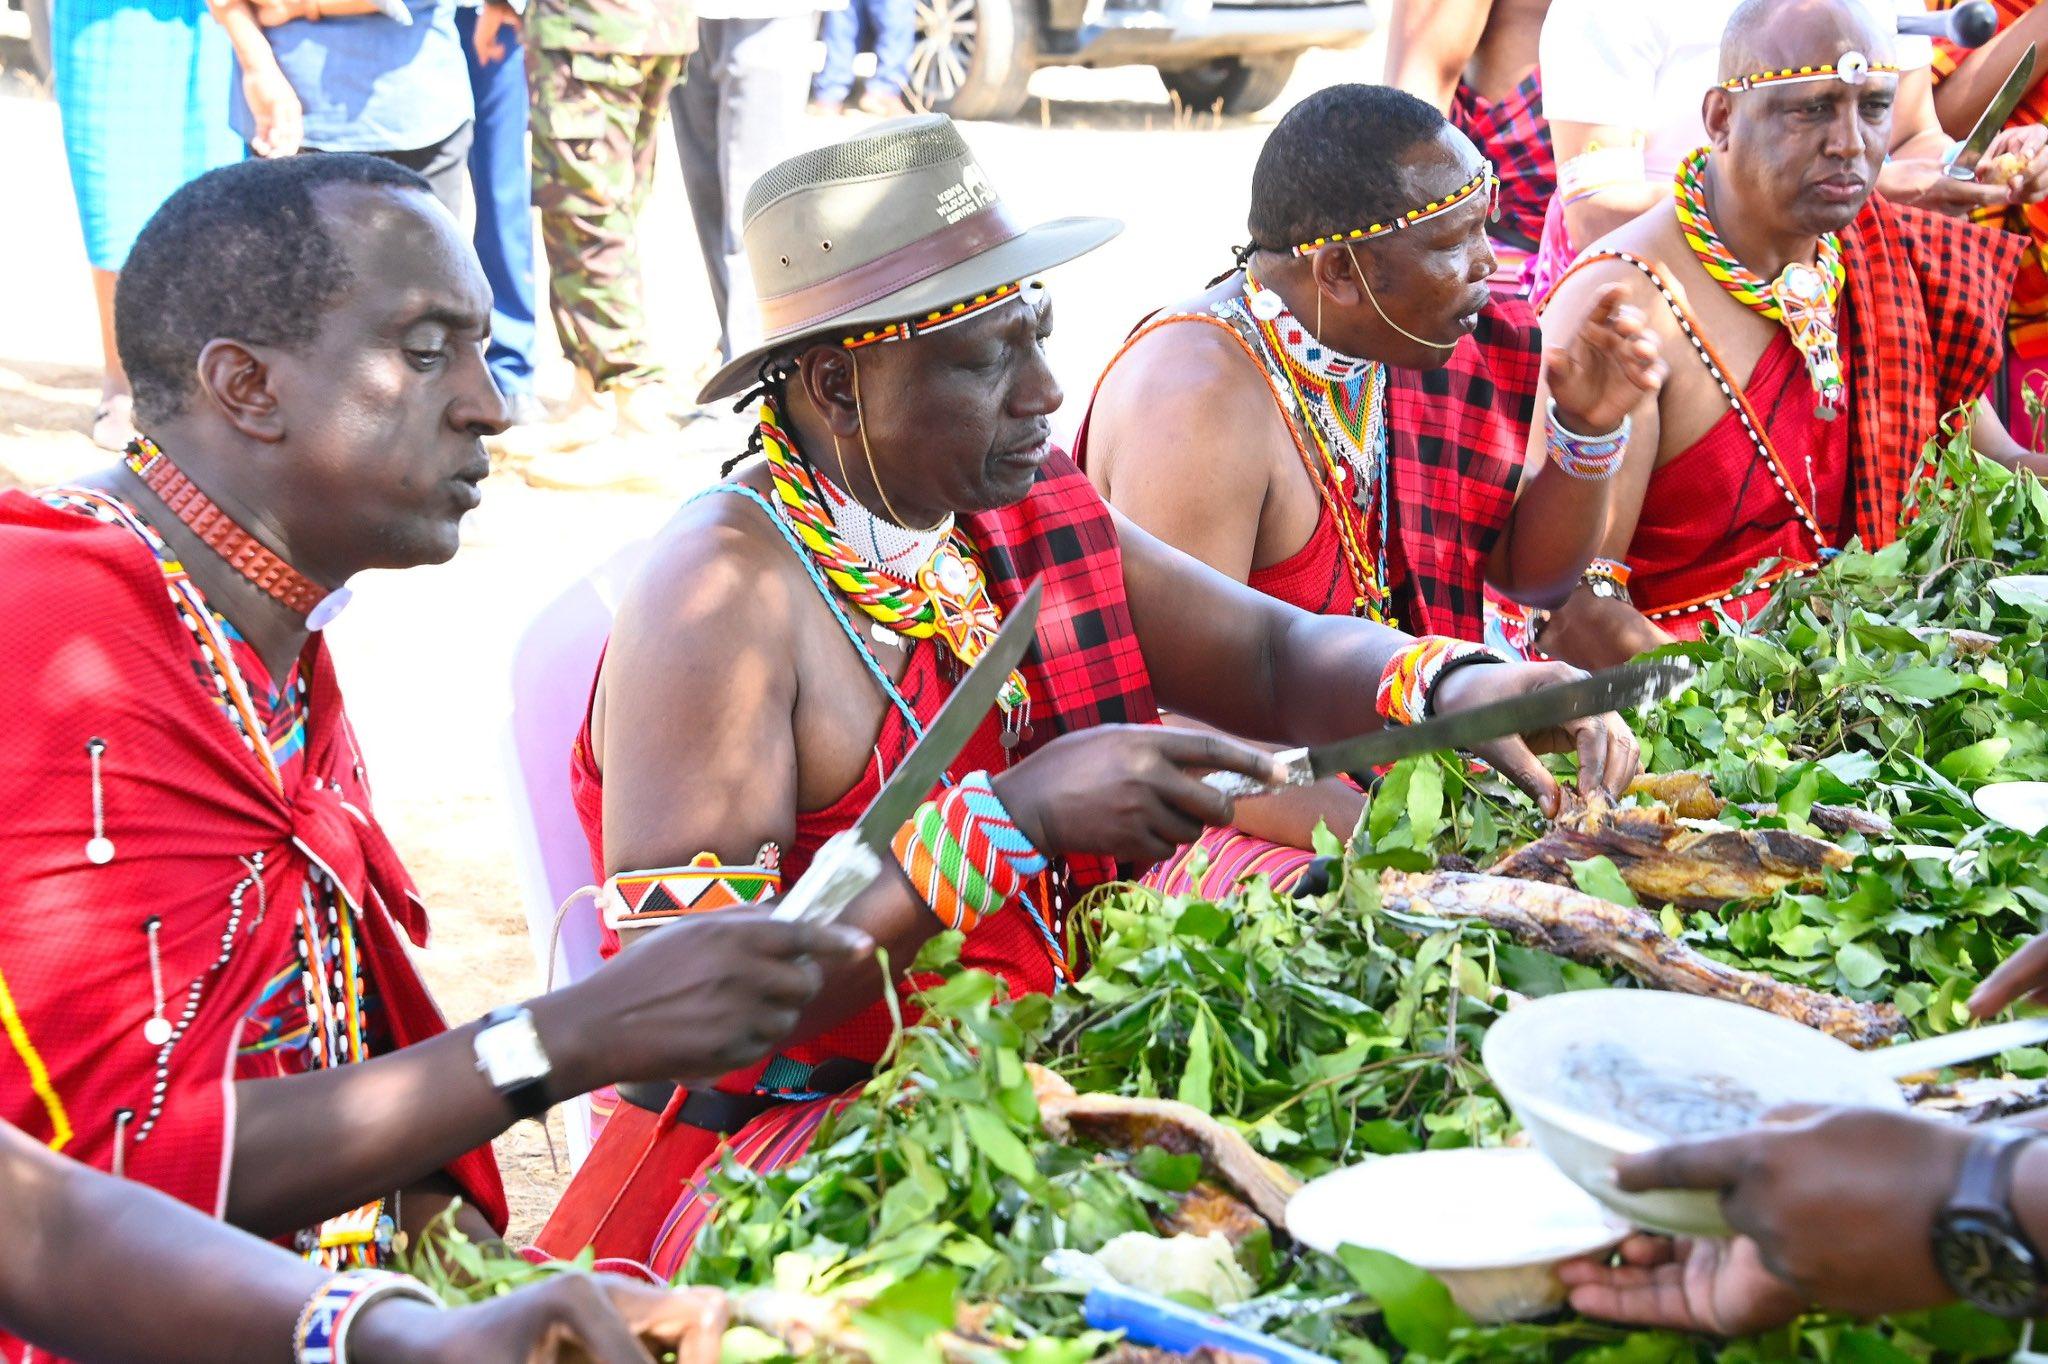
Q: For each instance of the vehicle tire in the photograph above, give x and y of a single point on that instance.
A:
(974, 58)
(1239, 85)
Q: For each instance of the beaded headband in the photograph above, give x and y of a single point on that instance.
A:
(1851, 68)
(1486, 180)
(939, 317)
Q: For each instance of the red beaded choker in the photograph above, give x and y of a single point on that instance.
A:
(244, 553)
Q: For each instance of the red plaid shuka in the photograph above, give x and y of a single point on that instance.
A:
(639, 1196)
(1456, 437)
(1924, 334)
(1515, 136)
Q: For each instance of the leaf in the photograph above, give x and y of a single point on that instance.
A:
(1796, 802)
(1860, 964)
(1195, 1077)
(1924, 683)
(1175, 1174)
(1600, 877)
(1417, 1307)
(1974, 762)
(996, 1140)
(1425, 802)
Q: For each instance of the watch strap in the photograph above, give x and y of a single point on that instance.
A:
(1984, 1183)
(528, 1098)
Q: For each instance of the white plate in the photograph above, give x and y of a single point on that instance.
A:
(2028, 591)
(2021, 805)
(1492, 1224)
(1682, 1066)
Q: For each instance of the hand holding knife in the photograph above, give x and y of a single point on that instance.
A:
(1963, 161)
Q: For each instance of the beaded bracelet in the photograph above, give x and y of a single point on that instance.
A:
(1608, 571)
(321, 1336)
(1587, 457)
(964, 855)
(1412, 675)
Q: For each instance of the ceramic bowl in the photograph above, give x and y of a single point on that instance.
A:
(1595, 1074)
(1492, 1224)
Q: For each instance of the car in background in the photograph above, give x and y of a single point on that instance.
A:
(974, 58)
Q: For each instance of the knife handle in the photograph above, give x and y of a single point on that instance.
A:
(843, 868)
(1237, 786)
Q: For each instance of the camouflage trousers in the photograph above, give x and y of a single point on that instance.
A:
(595, 116)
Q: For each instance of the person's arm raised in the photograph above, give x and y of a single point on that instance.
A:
(1429, 43)
(1607, 365)
(99, 1268)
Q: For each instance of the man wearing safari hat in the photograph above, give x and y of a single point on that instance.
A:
(794, 631)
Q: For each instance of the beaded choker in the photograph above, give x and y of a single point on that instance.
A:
(945, 596)
(1485, 180)
(1802, 297)
(219, 532)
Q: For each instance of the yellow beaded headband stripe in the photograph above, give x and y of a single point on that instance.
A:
(1486, 180)
(1853, 68)
(941, 317)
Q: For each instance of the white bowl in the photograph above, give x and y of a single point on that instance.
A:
(1594, 1074)
(2021, 805)
(1492, 1224)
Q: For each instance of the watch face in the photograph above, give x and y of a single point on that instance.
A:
(1987, 1266)
(511, 1052)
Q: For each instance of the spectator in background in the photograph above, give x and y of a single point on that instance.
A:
(738, 111)
(501, 176)
(365, 81)
(890, 28)
(600, 73)
(141, 87)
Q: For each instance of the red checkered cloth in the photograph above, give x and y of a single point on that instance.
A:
(95, 650)
(1513, 133)
(1456, 437)
(1924, 332)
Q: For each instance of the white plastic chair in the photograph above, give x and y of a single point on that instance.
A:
(553, 663)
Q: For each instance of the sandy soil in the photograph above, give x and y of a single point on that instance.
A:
(424, 661)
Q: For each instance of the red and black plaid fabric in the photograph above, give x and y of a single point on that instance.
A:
(1085, 667)
(1924, 333)
(1513, 133)
(1455, 441)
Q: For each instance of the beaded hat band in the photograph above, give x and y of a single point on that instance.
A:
(940, 317)
(1486, 180)
(1851, 68)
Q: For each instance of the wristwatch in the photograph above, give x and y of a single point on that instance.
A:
(510, 1056)
(1979, 1246)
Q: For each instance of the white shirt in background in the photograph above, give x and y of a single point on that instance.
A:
(1647, 64)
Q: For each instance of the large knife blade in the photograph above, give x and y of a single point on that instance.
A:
(1622, 688)
(1962, 160)
(850, 860)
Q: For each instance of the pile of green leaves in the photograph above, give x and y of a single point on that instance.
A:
(1330, 1029)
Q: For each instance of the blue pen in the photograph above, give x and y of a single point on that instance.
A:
(1147, 1319)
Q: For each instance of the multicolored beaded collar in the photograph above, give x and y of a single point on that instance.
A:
(940, 317)
(1851, 68)
(947, 597)
(1486, 179)
(1803, 297)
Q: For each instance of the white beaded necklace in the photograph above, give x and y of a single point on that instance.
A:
(896, 550)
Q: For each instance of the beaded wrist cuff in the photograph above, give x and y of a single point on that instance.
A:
(1411, 675)
(964, 854)
(639, 898)
(322, 1333)
(1587, 457)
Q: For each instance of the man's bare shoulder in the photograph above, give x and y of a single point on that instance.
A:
(719, 570)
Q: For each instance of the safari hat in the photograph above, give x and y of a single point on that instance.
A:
(889, 227)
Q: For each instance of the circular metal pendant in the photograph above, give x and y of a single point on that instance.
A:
(99, 851)
(157, 1031)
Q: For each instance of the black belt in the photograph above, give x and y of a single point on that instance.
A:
(714, 1110)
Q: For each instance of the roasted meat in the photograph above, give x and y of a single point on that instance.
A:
(1208, 1207)
(1666, 862)
(1691, 796)
(1588, 929)
(1122, 1124)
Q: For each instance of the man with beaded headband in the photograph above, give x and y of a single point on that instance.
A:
(1818, 337)
(204, 984)
(796, 628)
(1355, 412)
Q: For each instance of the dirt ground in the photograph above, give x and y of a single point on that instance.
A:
(425, 661)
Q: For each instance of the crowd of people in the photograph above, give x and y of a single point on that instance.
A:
(1301, 501)
(152, 95)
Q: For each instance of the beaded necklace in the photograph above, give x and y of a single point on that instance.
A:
(947, 597)
(1343, 399)
(1802, 297)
